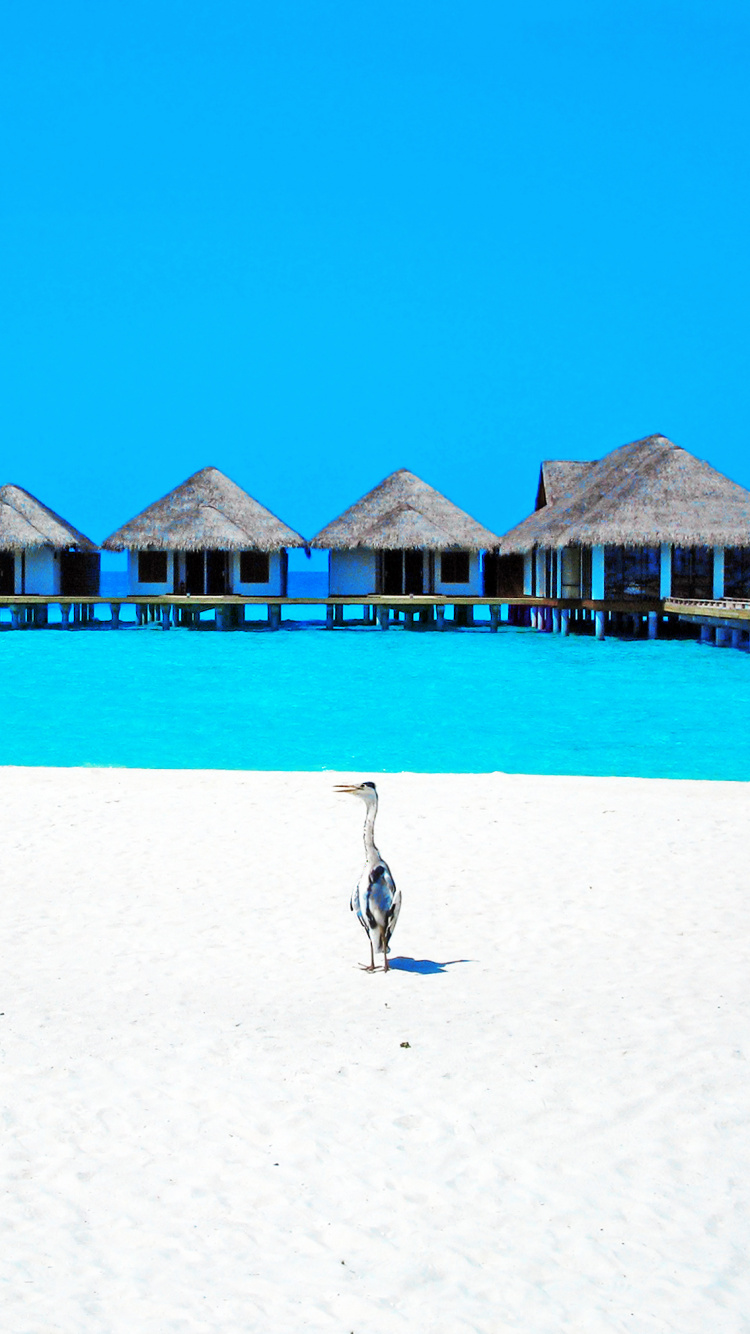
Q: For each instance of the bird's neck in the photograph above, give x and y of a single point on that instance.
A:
(369, 833)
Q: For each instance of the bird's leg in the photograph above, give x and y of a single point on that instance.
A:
(369, 967)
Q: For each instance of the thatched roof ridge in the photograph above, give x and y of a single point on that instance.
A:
(25, 522)
(206, 512)
(556, 477)
(404, 513)
(641, 494)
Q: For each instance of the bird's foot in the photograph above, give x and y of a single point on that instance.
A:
(368, 968)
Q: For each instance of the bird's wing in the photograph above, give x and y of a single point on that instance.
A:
(383, 899)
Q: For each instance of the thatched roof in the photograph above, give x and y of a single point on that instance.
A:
(556, 477)
(25, 522)
(403, 513)
(641, 494)
(207, 512)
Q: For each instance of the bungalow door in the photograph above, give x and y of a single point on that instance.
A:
(393, 573)
(217, 573)
(503, 574)
(194, 573)
(414, 572)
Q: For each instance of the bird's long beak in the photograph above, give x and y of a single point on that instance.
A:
(351, 788)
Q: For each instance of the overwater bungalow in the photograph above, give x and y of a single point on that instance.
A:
(41, 554)
(404, 537)
(647, 522)
(207, 537)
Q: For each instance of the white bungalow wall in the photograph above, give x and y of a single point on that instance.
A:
(273, 588)
(41, 574)
(718, 572)
(597, 573)
(665, 570)
(471, 590)
(528, 571)
(148, 590)
(352, 572)
(355, 573)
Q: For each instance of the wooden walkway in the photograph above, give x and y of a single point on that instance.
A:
(721, 621)
(710, 611)
(550, 615)
(724, 622)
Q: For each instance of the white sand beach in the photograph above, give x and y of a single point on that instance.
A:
(214, 1121)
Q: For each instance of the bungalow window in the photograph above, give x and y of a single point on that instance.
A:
(454, 567)
(631, 572)
(152, 567)
(737, 572)
(254, 567)
(692, 572)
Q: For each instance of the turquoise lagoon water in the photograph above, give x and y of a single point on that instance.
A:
(363, 700)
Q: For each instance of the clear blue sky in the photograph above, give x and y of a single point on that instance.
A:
(311, 241)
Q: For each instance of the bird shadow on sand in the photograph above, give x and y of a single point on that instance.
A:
(403, 964)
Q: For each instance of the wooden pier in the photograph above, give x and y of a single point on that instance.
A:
(422, 611)
(722, 622)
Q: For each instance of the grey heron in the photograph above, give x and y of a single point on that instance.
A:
(376, 900)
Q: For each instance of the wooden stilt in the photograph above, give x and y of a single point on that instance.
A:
(383, 618)
(707, 634)
(65, 615)
(555, 620)
(494, 619)
(329, 617)
(274, 615)
(165, 618)
(115, 610)
(600, 624)
(565, 621)
(653, 625)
